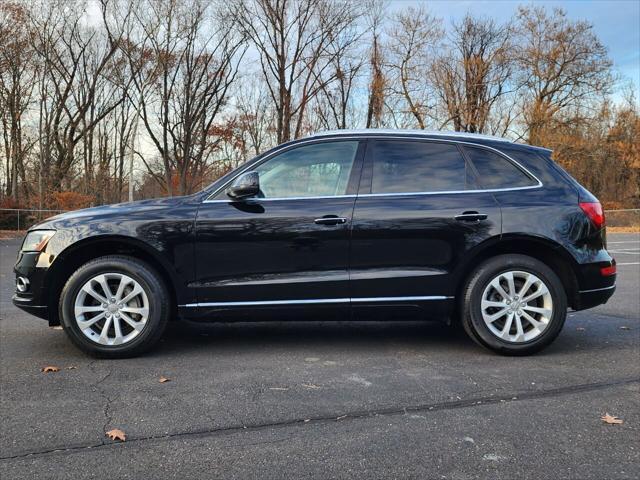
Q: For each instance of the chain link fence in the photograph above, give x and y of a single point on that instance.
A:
(22, 219)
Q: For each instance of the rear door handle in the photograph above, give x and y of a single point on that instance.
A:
(471, 217)
(330, 220)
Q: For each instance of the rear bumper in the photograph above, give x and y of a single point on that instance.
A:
(593, 297)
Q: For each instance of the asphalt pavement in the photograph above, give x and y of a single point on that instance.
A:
(326, 400)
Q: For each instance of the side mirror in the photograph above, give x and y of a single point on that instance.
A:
(246, 185)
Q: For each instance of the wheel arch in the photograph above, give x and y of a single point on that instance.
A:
(80, 252)
(543, 249)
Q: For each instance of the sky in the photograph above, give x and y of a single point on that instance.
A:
(615, 22)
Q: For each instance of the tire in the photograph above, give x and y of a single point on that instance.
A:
(141, 320)
(485, 311)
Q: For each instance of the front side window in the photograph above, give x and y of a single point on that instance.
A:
(495, 171)
(402, 166)
(317, 170)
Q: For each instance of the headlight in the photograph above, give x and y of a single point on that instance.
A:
(36, 240)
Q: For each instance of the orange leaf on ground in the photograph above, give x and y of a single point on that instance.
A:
(164, 380)
(611, 419)
(49, 368)
(116, 434)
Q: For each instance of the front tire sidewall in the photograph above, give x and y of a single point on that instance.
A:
(474, 322)
(156, 293)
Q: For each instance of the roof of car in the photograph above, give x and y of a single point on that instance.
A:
(447, 135)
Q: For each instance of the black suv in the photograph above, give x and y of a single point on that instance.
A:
(352, 224)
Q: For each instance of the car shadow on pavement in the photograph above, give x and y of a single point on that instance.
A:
(181, 337)
(427, 336)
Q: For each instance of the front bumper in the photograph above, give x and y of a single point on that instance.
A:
(26, 304)
(34, 300)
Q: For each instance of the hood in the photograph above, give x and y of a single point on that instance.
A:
(109, 211)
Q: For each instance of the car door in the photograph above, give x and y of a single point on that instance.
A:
(417, 214)
(289, 245)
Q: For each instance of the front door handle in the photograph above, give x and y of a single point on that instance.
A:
(471, 216)
(330, 220)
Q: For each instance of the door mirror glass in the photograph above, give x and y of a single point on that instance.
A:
(246, 185)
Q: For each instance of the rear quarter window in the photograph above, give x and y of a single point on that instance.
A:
(496, 171)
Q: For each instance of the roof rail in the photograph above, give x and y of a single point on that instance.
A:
(426, 133)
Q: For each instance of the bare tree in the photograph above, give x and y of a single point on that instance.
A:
(334, 102)
(182, 68)
(414, 35)
(562, 63)
(17, 83)
(77, 61)
(473, 72)
(255, 115)
(375, 97)
(295, 41)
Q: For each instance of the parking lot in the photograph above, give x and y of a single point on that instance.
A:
(326, 400)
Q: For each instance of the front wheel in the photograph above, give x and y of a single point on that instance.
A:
(114, 307)
(513, 305)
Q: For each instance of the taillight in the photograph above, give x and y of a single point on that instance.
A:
(608, 271)
(594, 211)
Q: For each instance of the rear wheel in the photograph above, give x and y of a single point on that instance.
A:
(514, 305)
(114, 307)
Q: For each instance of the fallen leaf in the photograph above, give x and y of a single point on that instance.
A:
(611, 419)
(164, 380)
(311, 386)
(624, 327)
(49, 368)
(116, 434)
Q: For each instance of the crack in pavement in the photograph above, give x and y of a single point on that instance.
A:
(95, 387)
(353, 415)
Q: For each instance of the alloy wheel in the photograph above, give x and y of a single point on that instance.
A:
(516, 306)
(111, 309)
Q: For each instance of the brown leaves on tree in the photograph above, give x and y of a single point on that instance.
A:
(611, 419)
(116, 434)
(49, 369)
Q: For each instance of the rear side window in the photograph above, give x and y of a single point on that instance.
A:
(495, 171)
(401, 166)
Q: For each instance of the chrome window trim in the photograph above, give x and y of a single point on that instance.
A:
(444, 192)
(396, 137)
(314, 301)
(277, 199)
